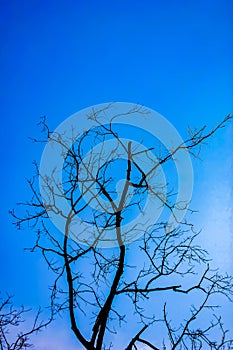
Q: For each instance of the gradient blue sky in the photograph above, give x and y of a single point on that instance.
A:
(58, 57)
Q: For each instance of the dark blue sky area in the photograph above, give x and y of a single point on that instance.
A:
(58, 57)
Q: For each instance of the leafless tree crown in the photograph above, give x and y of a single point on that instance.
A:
(145, 285)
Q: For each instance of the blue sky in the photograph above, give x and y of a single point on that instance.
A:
(59, 57)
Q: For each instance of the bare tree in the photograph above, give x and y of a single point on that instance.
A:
(149, 269)
(13, 335)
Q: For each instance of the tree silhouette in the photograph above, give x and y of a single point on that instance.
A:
(152, 279)
(13, 336)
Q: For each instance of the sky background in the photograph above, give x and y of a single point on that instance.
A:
(58, 57)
